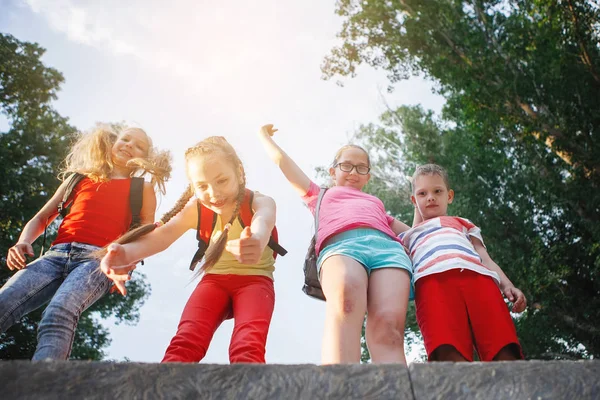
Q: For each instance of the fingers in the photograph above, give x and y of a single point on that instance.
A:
(15, 258)
(268, 128)
(121, 288)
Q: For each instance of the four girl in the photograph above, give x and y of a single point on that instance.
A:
(363, 266)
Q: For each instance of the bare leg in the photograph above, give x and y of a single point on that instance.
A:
(344, 282)
(386, 314)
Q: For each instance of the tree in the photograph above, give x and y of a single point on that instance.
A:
(31, 150)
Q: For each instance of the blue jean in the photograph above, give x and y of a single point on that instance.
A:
(67, 279)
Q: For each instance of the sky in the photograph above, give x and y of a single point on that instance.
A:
(186, 70)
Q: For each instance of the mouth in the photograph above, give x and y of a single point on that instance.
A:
(128, 154)
(432, 206)
(218, 204)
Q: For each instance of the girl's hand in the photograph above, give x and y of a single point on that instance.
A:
(268, 130)
(16, 255)
(247, 249)
(516, 297)
(115, 266)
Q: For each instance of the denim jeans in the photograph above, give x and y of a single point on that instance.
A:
(67, 279)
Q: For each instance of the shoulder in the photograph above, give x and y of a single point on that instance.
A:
(260, 200)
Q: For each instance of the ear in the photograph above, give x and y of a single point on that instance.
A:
(368, 178)
(413, 200)
(450, 196)
(332, 173)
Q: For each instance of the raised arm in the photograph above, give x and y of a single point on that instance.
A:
(33, 229)
(513, 294)
(298, 179)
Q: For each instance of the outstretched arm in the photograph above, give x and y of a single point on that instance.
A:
(120, 259)
(513, 294)
(33, 229)
(253, 240)
(290, 169)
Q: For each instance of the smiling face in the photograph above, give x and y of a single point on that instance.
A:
(215, 180)
(131, 143)
(355, 158)
(431, 195)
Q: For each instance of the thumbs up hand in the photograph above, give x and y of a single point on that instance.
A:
(247, 249)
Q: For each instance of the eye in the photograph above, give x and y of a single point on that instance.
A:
(438, 190)
(421, 194)
(202, 186)
(222, 181)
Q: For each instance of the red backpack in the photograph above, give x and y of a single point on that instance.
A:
(207, 220)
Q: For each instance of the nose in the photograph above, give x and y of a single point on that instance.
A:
(430, 198)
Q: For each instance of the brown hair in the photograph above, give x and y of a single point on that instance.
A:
(338, 154)
(210, 145)
(430, 169)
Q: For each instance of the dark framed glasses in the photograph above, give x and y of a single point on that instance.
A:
(348, 167)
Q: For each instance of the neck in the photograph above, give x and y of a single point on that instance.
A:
(120, 172)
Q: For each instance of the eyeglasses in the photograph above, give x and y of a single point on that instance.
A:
(347, 167)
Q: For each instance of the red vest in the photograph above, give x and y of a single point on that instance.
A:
(100, 213)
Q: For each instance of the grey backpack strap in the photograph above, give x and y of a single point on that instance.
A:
(318, 207)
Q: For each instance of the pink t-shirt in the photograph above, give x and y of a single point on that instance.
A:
(344, 208)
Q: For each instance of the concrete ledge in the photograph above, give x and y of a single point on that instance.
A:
(507, 380)
(97, 380)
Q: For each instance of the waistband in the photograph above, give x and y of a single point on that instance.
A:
(353, 234)
(73, 246)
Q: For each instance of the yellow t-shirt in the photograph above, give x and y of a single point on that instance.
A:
(228, 264)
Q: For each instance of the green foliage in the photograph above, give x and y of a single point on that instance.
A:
(31, 151)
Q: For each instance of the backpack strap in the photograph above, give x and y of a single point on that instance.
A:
(207, 219)
(318, 207)
(72, 181)
(245, 217)
(136, 195)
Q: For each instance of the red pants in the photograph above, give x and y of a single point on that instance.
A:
(249, 299)
(462, 308)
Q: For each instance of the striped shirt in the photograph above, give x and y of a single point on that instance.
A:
(443, 243)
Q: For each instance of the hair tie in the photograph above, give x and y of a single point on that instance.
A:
(158, 224)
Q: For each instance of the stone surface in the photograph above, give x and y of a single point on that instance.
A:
(89, 380)
(507, 380)
(97, 380)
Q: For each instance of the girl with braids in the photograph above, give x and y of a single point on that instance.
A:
(363, 267)
(238, 282)
(65, 275)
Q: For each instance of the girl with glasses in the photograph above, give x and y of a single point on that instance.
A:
(363, 267)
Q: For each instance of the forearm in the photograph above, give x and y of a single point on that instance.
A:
(155, 242)
(33, 229)
(262, 226)
(290, 169)
(504, 281)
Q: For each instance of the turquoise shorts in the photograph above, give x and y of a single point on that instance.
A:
(370, 247)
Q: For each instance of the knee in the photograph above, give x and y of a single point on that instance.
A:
(385, 327)
(345, 298)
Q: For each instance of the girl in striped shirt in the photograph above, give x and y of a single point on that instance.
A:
(458, 287)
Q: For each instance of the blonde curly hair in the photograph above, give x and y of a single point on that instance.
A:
(91, 156)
